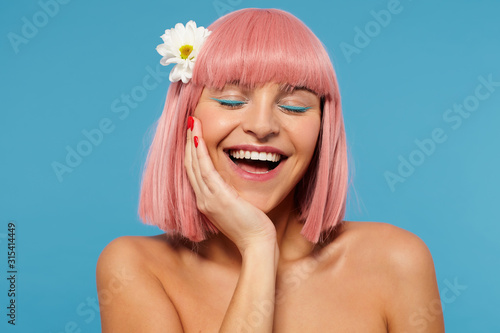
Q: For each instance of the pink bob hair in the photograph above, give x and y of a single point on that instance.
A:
(250, 47)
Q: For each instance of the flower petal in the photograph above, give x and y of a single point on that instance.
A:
(191, 25)
(167, 39)
(165, 61)
(163, 50)
(190, 36)
(176, 39)
(175, 73)
(180, 29)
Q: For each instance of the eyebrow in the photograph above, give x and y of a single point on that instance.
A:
(289, 88)
(285, 87)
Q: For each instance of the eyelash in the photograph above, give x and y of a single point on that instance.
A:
(298, 109)
(234, 104)
(229, 102)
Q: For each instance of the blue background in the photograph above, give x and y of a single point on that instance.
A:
(396, 88)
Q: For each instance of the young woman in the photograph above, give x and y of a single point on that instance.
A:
(247, 175)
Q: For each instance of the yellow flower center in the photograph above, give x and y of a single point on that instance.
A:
(186, 51)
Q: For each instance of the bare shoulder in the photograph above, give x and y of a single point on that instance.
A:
(396, 246)
(400, 264)
(137, 250)
(382, 247)
(131, 297)
(132, 255)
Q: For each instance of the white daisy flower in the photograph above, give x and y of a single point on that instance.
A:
(181, 46)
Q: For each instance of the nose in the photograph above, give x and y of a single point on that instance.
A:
(260, 121)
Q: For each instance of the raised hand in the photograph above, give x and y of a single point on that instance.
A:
(238, 219)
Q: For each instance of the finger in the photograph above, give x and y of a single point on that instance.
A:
(197, 172)
(188, 162)
(209, 176)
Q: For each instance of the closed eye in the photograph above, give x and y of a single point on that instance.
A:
(294, 108)
(229, 102)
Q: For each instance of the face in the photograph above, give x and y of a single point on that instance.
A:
(260, 140)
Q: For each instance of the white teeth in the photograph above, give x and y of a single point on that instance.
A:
(255, 155)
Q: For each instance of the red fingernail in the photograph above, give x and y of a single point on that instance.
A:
(195, 142)
(190, 123)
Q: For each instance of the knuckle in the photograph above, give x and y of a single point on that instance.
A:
(205, 175)
(209, 207)
(205, 206)
(218, 192)
(201, 206)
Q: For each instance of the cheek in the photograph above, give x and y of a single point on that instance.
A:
(306, 137)
(214, 128)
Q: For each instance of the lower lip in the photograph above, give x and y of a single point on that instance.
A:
(257, 177)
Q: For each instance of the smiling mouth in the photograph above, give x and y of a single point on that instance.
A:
(255, 162)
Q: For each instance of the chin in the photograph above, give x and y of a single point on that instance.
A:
(263, 203)
(266, 203)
